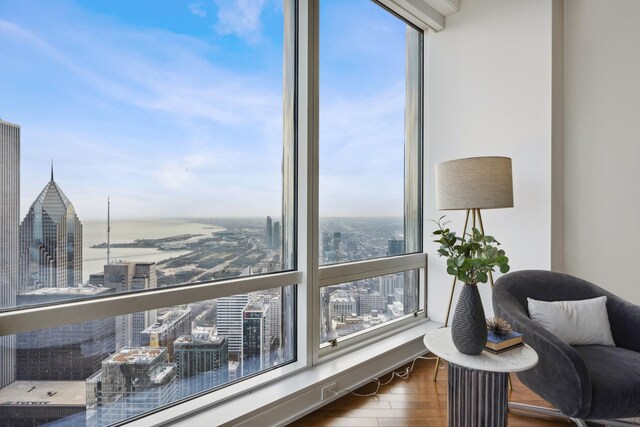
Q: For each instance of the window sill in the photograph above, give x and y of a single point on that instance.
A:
(284, 400)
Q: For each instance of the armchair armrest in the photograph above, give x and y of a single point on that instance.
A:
(561, 376)
(624, 319)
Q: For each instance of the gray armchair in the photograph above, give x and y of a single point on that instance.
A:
(591, 382)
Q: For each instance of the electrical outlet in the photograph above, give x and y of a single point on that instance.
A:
(329, 391)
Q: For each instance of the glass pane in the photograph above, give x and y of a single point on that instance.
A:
(147, 149)
(370, 132)
(352, 307)
(83, 373)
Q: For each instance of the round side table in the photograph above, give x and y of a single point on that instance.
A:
(477, 389)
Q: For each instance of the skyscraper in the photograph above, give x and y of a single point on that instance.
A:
(229, 322)
(256, 337)
(50, 242)
(202, 362)
(10, 212)
(268, 237)
(272, 299)
(274, 313)
(166, 330)
(396, 247)
(131, 381)
(336, 240)
(129, 276)
(276, 235)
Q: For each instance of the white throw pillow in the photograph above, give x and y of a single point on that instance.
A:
(579, 322)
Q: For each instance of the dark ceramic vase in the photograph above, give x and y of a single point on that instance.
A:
(469, 328)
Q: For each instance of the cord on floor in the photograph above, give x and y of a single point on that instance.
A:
(404, 374)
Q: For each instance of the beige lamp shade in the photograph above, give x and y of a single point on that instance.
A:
(474, 183)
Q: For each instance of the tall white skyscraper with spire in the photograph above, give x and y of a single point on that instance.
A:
(10, 215)
(50, 242)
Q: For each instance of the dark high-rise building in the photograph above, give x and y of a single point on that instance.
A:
(337, 237)
(10, 204)
(64, 353)
(256, 337)
(276, 235)
(50, 242)
(166, 330)
(268, 236)
(396, 247)
(326, 242)
(202, 362)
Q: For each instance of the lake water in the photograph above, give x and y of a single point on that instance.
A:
(95, 232)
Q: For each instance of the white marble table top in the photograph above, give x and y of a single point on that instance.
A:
(439, 342)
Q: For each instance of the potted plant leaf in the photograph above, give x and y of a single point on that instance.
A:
(470, 259)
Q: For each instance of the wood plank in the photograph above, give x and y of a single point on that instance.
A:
(335, 422)
(436, 404)
(431, 422)
(418, 401)
(386, 413)
(350, 404)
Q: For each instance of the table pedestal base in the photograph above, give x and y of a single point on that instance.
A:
(477, 398)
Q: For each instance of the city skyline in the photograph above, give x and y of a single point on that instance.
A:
(190, 96)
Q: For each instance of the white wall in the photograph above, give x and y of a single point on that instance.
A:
(489, 93)
(602, 143)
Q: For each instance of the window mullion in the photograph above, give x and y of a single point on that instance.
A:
(27, 319)
(307, 152)
(339, 273)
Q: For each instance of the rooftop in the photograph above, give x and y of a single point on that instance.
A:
(203, 330)
(163, 371)
(256, 306)
(4, 122)
(136, 355)
(166, 321)
(68, 393)
(187, 339)
(342, 298)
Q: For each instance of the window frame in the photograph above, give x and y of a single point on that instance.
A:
(308, 276)
(334, 274)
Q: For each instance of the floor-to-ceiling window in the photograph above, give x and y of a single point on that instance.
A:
(188, 189)
(370, 169)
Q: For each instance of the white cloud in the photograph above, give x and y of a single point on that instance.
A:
(198, 9)
(191, 132)
(175, 81)
(362, 153)
(241, 18)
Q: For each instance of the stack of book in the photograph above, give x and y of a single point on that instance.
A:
(499, 345)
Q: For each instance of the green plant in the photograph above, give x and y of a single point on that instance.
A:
(471, 257)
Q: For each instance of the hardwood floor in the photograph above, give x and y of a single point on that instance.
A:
(416, 402)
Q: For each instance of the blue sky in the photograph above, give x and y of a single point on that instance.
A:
(174, 108)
